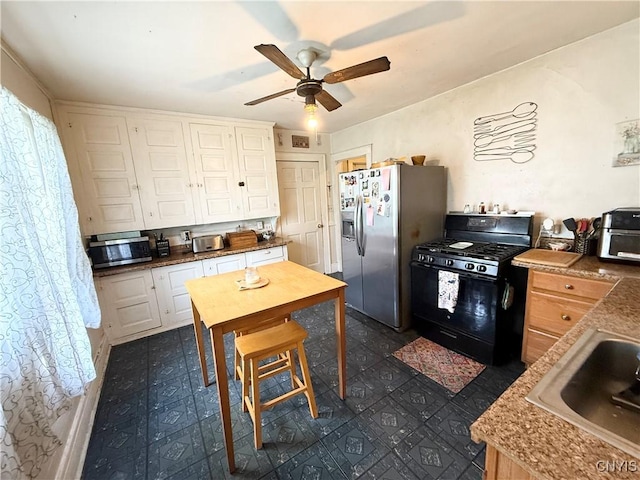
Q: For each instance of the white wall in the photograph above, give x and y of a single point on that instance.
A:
(582, 91)
(74, 427)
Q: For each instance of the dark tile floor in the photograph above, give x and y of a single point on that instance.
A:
(155, 420)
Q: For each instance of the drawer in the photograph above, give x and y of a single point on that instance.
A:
(536, 344)
(580, 287)
(262, 257)
(554, 314)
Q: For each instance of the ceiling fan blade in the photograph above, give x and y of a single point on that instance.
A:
(381, 64)
(269, 97)
(274, 54)
(328, 101)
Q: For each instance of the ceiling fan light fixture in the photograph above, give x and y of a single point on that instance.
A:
(312, 121)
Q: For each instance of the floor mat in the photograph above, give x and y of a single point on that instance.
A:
(450, 369)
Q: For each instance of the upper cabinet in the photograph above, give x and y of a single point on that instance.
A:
(257, 172)
(104, 180)
(133, 170)
(164, 183)
(215, 163)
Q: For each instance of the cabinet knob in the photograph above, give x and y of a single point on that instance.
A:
(566, 317)
(568, 286)
(241, 184)
(167, 311)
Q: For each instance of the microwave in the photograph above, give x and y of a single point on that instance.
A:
(125, 251)
(620, 235)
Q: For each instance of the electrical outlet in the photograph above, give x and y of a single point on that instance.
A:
(260, 225)
(185, 235)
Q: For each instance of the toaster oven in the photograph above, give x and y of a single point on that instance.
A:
(620, 235)
(124, 251)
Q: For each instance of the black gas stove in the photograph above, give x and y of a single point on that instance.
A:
(482, 258)
(466, 295)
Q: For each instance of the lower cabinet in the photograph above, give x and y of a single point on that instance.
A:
(266, 256)
(229, 263)
(145, 302)
(555, 303)
(128, 304)
(498, 466)
(173, 300)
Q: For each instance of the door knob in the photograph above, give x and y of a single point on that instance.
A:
(320, 225)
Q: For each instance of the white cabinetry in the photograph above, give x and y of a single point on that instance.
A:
(164, 184)
(236, 172)
(146, 302)
(128, 303)
(173, 300)
(132, 169)
(214, 159)
(257, 172)
(228, 263)
(268, 255)
(104, 178)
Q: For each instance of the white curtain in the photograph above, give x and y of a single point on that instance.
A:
(47, 296)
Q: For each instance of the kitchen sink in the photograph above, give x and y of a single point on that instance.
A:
(579, 388)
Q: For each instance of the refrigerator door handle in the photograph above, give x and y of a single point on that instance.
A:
(360, 229)
(356, 224)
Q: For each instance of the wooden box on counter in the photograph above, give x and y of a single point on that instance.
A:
(244, 239)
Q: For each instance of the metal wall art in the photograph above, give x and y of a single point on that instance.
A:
(506, 136)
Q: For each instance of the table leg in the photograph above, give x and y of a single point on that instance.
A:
(342, 344)
(222, 382)
(197, 327)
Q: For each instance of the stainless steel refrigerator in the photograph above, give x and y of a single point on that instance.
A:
(385, 212)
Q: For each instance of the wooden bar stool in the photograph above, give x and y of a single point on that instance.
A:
(274, 341)
(272, 322)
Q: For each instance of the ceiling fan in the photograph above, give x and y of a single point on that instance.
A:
(309, 88)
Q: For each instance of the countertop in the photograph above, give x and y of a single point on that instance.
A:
(182, 255)
(541, 443)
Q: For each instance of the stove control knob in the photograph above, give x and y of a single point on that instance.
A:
(431, 260)
(449, 263)
(469, 266)
(421, 257)
(482, 268)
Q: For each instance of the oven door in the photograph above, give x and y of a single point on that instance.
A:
(475, 312)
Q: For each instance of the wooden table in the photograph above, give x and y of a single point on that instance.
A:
(223, 308)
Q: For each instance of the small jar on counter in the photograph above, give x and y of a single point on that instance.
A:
(482, 208)
(496, 208)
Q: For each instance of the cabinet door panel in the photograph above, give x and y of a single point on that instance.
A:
(217, 186)
(257, 169)
(101, 146)
(162, 171)
(536, 344)
(173, 299)
(129, 300)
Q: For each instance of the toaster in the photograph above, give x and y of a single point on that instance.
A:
(207, 243)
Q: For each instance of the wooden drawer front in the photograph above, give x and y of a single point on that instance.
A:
(581, 287)
(555, 314)
(537, 344)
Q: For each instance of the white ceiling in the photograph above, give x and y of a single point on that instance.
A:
(198, 57)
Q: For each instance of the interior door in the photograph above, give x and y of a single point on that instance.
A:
(301, 212)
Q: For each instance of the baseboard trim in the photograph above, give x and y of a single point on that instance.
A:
(76, 444)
